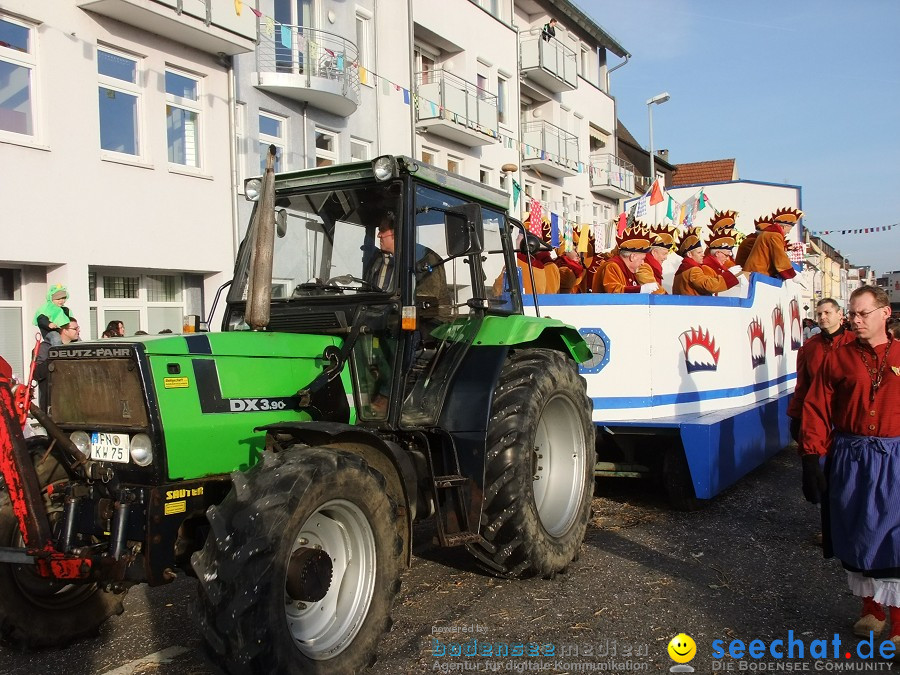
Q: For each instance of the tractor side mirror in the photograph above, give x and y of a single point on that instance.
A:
(281, 222)
(464, 229)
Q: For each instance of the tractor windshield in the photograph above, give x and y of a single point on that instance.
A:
(327, 243)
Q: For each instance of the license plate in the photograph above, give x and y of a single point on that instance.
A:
(107, 447)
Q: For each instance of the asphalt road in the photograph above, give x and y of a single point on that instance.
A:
(746, 567)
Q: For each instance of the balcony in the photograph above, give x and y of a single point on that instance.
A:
(548, 63)
(549, 150)
(309, 65)
(611, 177)
(450, 107)
(208, 25)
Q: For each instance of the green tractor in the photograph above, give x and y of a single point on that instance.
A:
(375, 368)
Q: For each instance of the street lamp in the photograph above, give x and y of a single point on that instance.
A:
(659, 98)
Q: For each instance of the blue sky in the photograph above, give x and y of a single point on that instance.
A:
(805, 92)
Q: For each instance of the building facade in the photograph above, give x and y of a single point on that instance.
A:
(142, 119)
(114, 159)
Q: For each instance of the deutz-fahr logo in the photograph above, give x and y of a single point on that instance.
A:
(90, 352)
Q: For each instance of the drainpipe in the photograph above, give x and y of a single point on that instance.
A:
(305, 139)
(412, 81)
(376, 97)
(233, 158)
(610, 70)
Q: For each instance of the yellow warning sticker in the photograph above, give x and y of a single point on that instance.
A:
(175, 382)
(176, 507)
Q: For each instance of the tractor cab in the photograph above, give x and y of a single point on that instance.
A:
(392, 258)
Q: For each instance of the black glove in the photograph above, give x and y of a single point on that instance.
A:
(813, 478)
(795, 429)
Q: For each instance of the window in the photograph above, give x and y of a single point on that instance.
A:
(545, 196)
(16, 78)
(120, 102)
(425, 65)
(121, 287)
(271, 132)
(484, 175)
(359, 150)
(585, 65)
(504, 182)
(183, 118)
(454, 164)
(579, 205)
(326, 148)
(492, 6)
(567, 206)
(482, 84)
(362, 40)
(529, 189)
(429, 156)
(502, 98)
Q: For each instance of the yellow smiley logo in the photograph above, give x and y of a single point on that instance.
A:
(682, 648)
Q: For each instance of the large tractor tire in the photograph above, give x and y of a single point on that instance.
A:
(539, 467)
(301, 566)
(36, 612)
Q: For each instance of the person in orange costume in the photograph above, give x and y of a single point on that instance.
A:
(694, 278)
(651, 270)
(720, 246)
(768, 255)
(618, 274)
(851, 417)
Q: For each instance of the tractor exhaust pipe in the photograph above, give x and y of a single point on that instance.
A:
(259, 292)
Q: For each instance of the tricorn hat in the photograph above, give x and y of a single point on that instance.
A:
(634, 240)
(663, 236)
(723, 220)
(722, 239)
(689, 240)
(787, 216)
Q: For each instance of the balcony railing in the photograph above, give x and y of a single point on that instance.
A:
(550, 63)
(212, 26)
(308, 64)
(611, 175)
(453, 107)
(549, 148)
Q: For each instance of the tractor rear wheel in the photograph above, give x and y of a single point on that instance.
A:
(539, 467)
(301, 566)
(36, 612)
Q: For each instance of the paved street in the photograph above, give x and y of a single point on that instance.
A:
(746, 567)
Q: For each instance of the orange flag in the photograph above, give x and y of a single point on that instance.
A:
(655, 193)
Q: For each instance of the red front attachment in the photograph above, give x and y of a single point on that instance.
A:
(24, 490)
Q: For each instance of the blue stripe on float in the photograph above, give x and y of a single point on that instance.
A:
(620, 402)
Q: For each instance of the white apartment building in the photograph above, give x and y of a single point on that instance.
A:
(114, 160)
(142, 118)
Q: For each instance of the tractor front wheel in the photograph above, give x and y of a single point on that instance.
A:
(301, 567)
(36, 612)
(539, 467)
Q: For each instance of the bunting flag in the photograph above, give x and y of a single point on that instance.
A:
(406, 96)
(655, 193)
(285, 36)
(568, 236)
(256, 11)
(535, 223)
(269, 27)
(554, 230)
(701, 201)
(238, 6)
(856, 230)
(582, 238)
(364, 76)
(622, 224)
(670, 212)
(517, 190)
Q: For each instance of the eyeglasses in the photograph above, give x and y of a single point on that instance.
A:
(853, 315)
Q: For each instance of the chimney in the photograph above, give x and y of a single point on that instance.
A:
(663, 154)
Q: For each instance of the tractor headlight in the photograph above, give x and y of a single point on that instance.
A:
(252, 188)
(82, 441)
(384, 167)
(141, 449)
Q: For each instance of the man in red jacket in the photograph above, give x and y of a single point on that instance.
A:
(851, 415)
